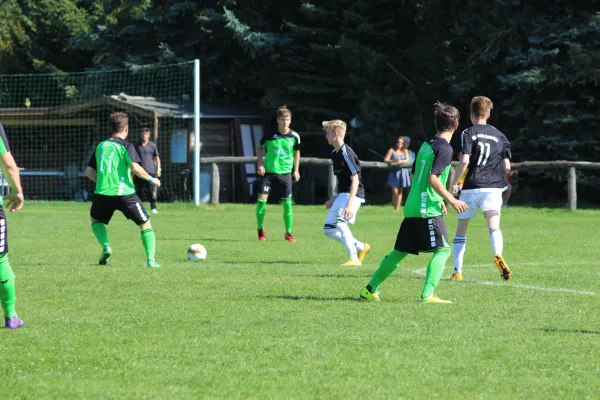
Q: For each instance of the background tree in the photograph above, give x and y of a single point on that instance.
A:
(383, 61)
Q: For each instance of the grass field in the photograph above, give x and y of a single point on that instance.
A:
(281, 320)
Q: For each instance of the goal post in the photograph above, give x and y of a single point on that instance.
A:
(197, 132)
(54, 122)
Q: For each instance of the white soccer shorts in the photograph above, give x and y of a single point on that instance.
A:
(490, 200)
(340, 203)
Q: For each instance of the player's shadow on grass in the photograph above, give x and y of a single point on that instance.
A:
(584, 331)
(198, 240)
(271, 262)
(57, 264)
(311, 298)
(361, 275)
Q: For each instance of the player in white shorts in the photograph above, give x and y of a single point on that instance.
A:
(485, 158)
(344, 205)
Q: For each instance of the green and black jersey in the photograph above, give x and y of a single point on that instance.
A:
(279, 151)
(112, 160)
(4, 148)
(434, 158)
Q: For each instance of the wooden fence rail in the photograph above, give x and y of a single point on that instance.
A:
(572, 167)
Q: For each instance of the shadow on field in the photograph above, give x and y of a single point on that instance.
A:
(272, 262)
(197, 240)
(341, 275)
(570, 331)
(311, 298)
(64, 264)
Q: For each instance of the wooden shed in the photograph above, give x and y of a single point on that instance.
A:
(53, 144)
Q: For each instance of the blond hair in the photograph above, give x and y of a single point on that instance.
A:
(337, 125)
(481, 106)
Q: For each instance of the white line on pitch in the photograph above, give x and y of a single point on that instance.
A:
(545, 263)
(519, 286)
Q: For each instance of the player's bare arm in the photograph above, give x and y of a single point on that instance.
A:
(91, 173)
(463, 163)
(11, 173)
(438, 186)
(141, 173)
(507, 165)
(260, 161)
(348, 214)
(296, 165)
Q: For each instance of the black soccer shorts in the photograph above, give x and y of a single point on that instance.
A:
(276, 184)
(421, 235)
(131, 206)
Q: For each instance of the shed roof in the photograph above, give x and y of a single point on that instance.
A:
(148, 106)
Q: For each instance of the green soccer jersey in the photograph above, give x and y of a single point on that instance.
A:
(3, 147)
(433, 158)
(112, 160)
(279, 151)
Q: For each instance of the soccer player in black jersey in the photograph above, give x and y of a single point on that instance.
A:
(485, 155)
(350, 194)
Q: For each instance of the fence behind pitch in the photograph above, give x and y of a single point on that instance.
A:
(54, 121)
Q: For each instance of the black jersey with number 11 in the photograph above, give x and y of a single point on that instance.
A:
(487, 148)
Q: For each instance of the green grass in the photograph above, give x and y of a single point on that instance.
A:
(281, 320)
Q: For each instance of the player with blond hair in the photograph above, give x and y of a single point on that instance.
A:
(485, 155)
(349, 195)
(423, 228)
(281, 157)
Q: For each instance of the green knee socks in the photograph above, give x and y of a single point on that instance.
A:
(435, 269)
(100, 232)
(261, 208)
(7, 287)
(386, 268)
(288, 215)
(149, 242)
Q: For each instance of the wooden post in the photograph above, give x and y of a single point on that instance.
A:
(331, 180)
(216, 184)
(572, 189)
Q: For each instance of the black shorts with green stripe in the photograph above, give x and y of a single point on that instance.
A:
(103, 208)
(421, 235)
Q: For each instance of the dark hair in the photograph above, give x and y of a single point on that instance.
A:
(118, 122)
(446, 116)
(283, 111)
(146, 130)
(481, 106)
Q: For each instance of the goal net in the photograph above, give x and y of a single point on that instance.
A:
(54, 122)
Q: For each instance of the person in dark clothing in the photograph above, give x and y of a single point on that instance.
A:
(148, 153)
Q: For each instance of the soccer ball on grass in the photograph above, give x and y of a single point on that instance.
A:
(196, 252)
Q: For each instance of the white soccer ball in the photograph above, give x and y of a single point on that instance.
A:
(196, 252)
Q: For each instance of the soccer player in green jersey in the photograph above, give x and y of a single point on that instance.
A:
(423, 228)
(281, 157)
(110, 167)
(15, 203)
